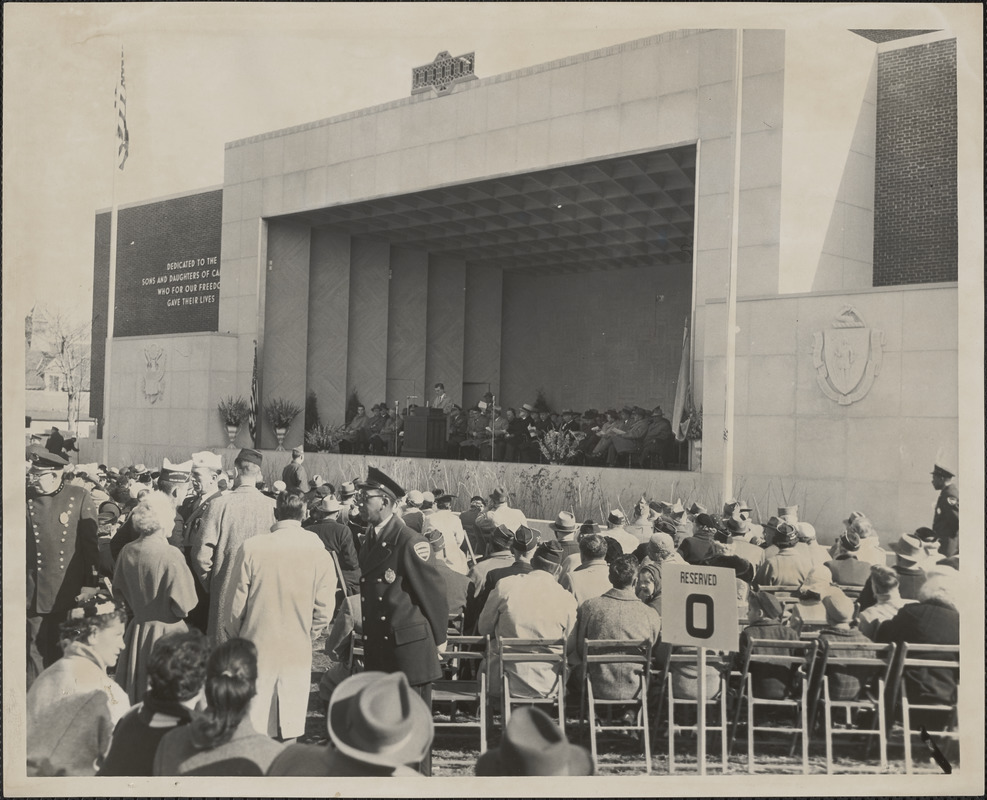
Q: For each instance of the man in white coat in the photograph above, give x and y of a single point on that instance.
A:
(285, 596)
(446, 521)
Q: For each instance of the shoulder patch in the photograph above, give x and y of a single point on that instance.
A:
(953, 501)
(423, 550)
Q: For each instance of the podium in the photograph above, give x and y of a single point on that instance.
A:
(425, 433)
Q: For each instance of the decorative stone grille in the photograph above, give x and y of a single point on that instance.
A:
(443, 73)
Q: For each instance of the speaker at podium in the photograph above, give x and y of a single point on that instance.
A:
(424, 433)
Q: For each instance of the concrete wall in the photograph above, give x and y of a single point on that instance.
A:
(594, 339)
(659, 92)
(873, 455)
(198, 369)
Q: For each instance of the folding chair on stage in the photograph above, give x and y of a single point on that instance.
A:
(636, 655)
(788, 661)
(915, 666)
(454, 689)
(516, 652)
(870, 664)
(684, 658)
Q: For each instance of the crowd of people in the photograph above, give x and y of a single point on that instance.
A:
(171, 615)
(630, 437)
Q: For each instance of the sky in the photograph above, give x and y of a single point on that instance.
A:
(199, 75)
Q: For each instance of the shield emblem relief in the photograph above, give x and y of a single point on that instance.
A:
(848, 357)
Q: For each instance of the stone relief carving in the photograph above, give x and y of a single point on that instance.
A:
(153, 382)
(848, 357)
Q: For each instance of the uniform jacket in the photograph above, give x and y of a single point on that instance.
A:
(946, 520)
(404, 607)
(62, 548)
(227, 523)
(285, 595)
(154, 579)
(338, 539)
(295, 476)
(616, 614)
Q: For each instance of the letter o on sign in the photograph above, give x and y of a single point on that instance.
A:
(699, 605)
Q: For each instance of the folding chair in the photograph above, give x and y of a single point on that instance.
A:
(518, 651)
(798, 658)
(871, 665)
(686, 656)
(635, 655)
(454, 689)
(944, 657)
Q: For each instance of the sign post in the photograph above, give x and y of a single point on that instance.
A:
(699, 609)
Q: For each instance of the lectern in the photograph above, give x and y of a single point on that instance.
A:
(425, 433)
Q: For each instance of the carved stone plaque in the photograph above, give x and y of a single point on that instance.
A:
(848, 357)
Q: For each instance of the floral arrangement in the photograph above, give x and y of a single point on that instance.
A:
(324, 437)
(233, 410)
(281, 412)
(694, 418)
(557, 446)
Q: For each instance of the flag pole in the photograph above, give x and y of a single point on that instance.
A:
(120, 140)
(731, 349)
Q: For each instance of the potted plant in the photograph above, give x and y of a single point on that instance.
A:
(557, 446)
(694, 435)
(233, 411)
(323, 437)
(280, 413)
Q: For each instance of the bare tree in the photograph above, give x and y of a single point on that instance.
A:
(66, 354)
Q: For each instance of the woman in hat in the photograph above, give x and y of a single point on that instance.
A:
(909, 568)
(378, 727)
(648, 587)
(154, 579)
(221, 740)
(73, 705)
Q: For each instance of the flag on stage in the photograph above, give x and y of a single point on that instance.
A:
(252, 414)
(681, 426)
(120, 104)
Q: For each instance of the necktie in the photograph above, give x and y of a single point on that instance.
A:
(371, 536)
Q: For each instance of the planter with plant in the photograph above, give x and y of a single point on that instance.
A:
(233, 411)
(323, 437)
(281, 413)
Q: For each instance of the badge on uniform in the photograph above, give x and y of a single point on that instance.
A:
(390, 576)
(64, 518)
(423, 550)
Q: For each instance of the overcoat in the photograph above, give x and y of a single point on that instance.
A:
(154, 579)
(404, 606)
(228, 521)
(285, 593)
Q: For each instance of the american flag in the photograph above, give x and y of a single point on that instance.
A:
(120, 104)
(252, 415)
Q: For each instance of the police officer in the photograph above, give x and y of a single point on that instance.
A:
(404, 606)
(946, 521)
(62, 553)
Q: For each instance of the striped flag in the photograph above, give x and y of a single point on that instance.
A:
(254, 398)
(120, 104)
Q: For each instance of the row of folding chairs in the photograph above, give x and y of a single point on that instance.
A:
(808, 668)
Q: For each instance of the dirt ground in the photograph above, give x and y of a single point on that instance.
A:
(454, 753)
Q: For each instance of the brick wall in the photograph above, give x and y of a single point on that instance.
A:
(915, 216)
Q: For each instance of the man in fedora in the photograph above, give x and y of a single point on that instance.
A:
(404, 607)
(530, 606)
(228, 521)
(534, 744)
(500, 540)
(565, 528)
(378, 727)
(62, 553)
(615, 529)
(946, 520)
(592, 577)
(207, 467)
(338, 539)
(501, 512)
(910, 560)
(294, 475)
(523, 543)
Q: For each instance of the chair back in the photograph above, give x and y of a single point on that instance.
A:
(940, 657)
(778, 655)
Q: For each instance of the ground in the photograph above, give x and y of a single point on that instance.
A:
(454, 753)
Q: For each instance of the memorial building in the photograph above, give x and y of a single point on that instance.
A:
(561, 228)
